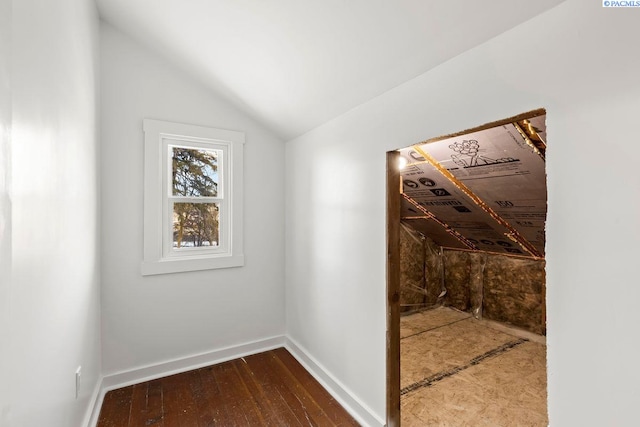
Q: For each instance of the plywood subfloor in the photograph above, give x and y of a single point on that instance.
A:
(266, 389)
(458, 371)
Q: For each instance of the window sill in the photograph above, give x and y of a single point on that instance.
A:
(179, 265)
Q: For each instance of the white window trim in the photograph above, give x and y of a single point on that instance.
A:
(158, 135)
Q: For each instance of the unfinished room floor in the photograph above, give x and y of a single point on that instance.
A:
(459, 371)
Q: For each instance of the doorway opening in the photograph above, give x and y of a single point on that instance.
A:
(466, 278)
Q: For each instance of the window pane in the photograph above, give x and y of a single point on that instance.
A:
(194, 172)
(196, 225)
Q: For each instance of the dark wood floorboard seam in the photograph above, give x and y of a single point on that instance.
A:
(306, 399)
(431, 380)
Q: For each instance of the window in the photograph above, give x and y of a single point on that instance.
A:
(192, 198)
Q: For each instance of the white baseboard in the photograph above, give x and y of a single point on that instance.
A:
(175, 366)
(361, 412)
(95, 402)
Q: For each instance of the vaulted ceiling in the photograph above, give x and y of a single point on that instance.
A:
(296, 64)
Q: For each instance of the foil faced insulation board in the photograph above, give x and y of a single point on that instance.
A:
(436, 232)
(500, 168)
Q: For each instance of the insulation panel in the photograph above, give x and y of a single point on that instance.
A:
(436, 232)
(489, 186)
(424, 184)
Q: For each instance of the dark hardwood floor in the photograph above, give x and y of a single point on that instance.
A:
(265, 389)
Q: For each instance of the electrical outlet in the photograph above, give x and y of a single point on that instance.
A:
(78, 374)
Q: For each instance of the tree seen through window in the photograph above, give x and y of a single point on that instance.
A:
(196, 213)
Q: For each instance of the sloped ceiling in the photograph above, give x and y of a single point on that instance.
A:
(295, 64)
(482, 190)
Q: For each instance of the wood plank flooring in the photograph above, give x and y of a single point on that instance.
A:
(265, 389)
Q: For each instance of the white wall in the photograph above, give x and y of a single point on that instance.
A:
(152, 319)
(579, 61)
(50, 278)
(5, 201)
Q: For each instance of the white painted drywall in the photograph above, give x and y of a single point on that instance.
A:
(50, 286)
(152, 319)
(299, 63)
(578, 60)
(5, 201)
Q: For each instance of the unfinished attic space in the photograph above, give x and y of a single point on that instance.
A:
(472, 277)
